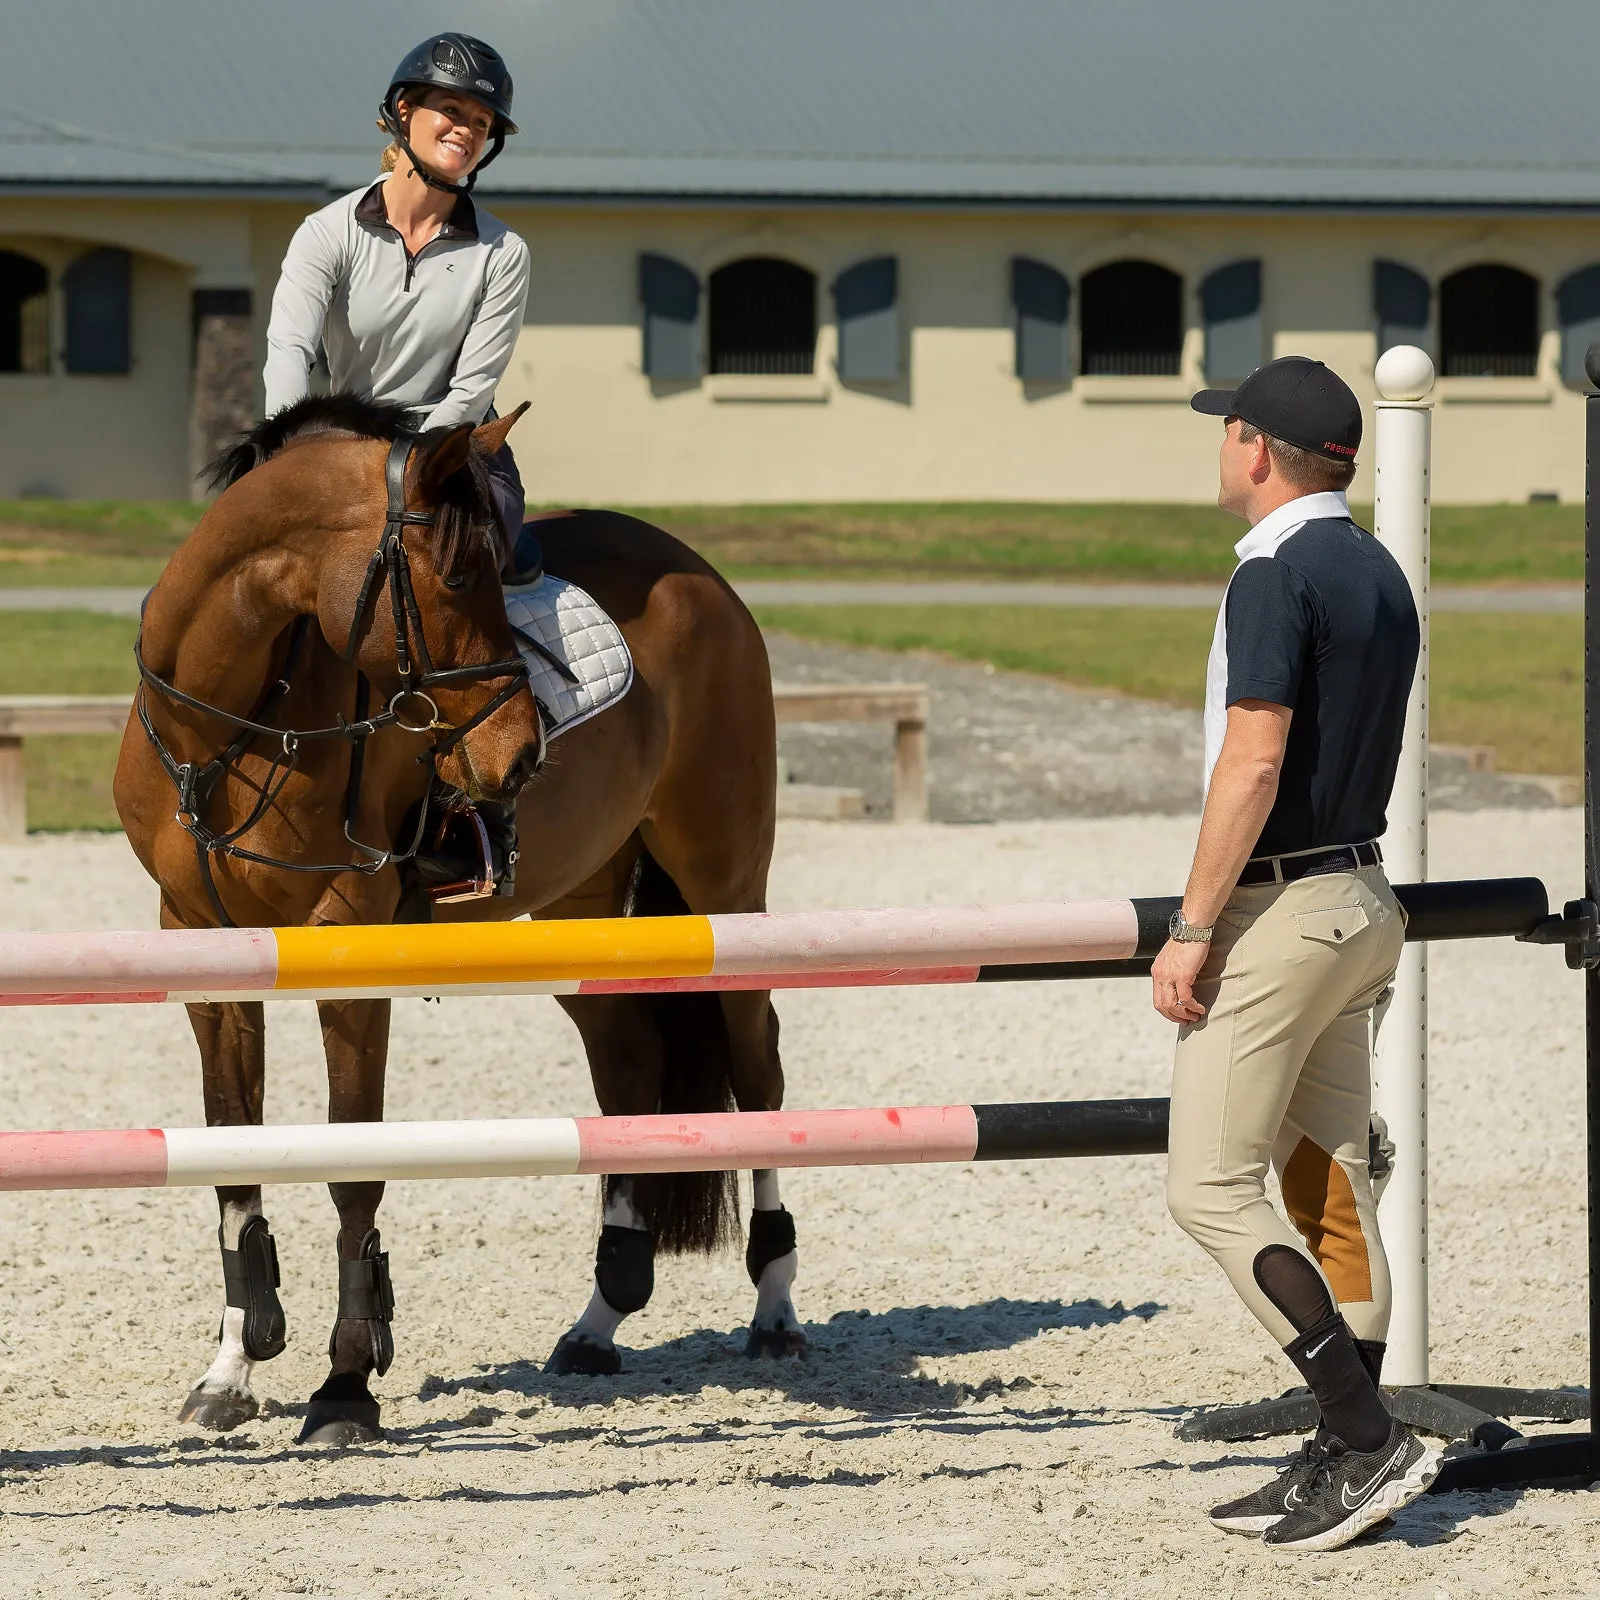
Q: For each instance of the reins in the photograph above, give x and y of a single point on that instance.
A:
(195, 782)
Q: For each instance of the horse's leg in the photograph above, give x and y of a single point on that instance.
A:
(232, 1040)
(355, 1038)
(711, 879)
(624, 1046)
(771, 1256)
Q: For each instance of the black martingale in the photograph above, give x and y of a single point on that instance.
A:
(250, 1280)
(410, 708)
(771, 1239)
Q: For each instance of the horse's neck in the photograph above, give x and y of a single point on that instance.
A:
(212, 624)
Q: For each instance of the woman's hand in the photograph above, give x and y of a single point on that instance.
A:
(1173, 977)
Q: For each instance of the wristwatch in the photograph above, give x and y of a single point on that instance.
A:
(1186, 932)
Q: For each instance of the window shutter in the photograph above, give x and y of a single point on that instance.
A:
(1039, 297)
(99, 312)
(670, 295)
(869, 321)
(1401, 300)
(1578, 306)
(1230, 302)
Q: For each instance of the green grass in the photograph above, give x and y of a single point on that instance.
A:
(68, 652)
(72, 543)
(48, 542)
(1511, 680)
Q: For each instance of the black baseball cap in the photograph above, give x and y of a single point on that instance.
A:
(1294, 399)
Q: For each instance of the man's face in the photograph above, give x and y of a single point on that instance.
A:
(1235, 462)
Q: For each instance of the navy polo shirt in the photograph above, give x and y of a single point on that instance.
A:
(1318, 617)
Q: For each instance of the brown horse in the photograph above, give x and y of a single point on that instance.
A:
(275, 615)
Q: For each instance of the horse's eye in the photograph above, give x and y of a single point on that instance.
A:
(457, 582)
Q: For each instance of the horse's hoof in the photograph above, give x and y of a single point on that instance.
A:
(341, 1413)
(775, 1343)
(584, 1358)
(220, 1413)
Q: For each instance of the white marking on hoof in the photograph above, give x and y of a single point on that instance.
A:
(228, 1376)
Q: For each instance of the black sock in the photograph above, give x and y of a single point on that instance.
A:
(1371, 1352)
(1336, 1374)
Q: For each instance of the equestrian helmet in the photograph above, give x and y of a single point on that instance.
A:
(454, 61)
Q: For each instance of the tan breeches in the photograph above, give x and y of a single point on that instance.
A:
(1280, 1070)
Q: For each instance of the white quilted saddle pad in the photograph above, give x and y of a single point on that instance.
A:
(567, 623)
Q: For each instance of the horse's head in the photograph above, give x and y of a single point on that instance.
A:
(430, 628)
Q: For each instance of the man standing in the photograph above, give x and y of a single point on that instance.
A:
(1289, 932)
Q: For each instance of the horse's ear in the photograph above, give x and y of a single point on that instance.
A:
(442, 459)
(492, 435)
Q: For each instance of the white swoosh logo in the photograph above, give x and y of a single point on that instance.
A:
(1371, 1483)
(1292, 1499)
(1320, 1346)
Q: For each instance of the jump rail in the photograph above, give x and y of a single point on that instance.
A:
(810, 949)
(370, 1152)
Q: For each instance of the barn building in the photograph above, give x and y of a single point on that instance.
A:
(842, 250)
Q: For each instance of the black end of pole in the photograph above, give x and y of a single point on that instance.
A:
(1473, 908)
(1591, 867)
(1035, 1131)
(1154, 917)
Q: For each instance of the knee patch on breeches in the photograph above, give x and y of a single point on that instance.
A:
(1294, 1286)
(1321, 1203)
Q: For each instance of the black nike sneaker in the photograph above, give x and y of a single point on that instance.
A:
(1257, 1511)
(1352, 1490)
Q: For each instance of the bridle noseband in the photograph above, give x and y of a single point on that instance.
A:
(411, 709)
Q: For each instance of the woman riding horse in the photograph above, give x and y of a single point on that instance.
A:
(331, 641)
(413, 291)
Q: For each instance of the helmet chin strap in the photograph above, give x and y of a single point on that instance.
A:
(397, 132)
(432, 180)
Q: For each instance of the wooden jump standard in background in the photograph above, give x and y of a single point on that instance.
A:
(31, 716)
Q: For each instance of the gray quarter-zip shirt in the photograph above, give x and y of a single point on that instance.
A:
(433, 331)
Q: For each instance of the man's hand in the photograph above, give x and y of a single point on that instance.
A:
(1172, 980)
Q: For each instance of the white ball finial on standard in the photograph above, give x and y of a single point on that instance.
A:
(1403, 373)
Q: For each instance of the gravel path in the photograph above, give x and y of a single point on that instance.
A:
(1004, 747)
(1000, 1351)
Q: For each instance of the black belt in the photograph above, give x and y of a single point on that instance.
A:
(1309, 863)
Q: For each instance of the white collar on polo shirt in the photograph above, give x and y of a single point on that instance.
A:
(1276, 526)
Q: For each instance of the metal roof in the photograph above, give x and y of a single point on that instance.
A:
(1454, 103)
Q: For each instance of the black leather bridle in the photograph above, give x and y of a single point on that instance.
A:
(411, 709)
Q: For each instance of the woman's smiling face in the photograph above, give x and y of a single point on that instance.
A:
(447, 131)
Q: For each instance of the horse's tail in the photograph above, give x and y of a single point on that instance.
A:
(689, 1211)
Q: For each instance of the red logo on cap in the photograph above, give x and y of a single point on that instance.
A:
(1338, 449)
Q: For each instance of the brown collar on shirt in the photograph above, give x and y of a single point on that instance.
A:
(462, 222)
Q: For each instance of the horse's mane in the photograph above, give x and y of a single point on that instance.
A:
(465, 510)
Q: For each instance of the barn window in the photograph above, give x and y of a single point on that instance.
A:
(1132, 320)
(24, 314)
(1489, 323)
(763, 317)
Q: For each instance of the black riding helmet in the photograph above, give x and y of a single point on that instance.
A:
(451, 61)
